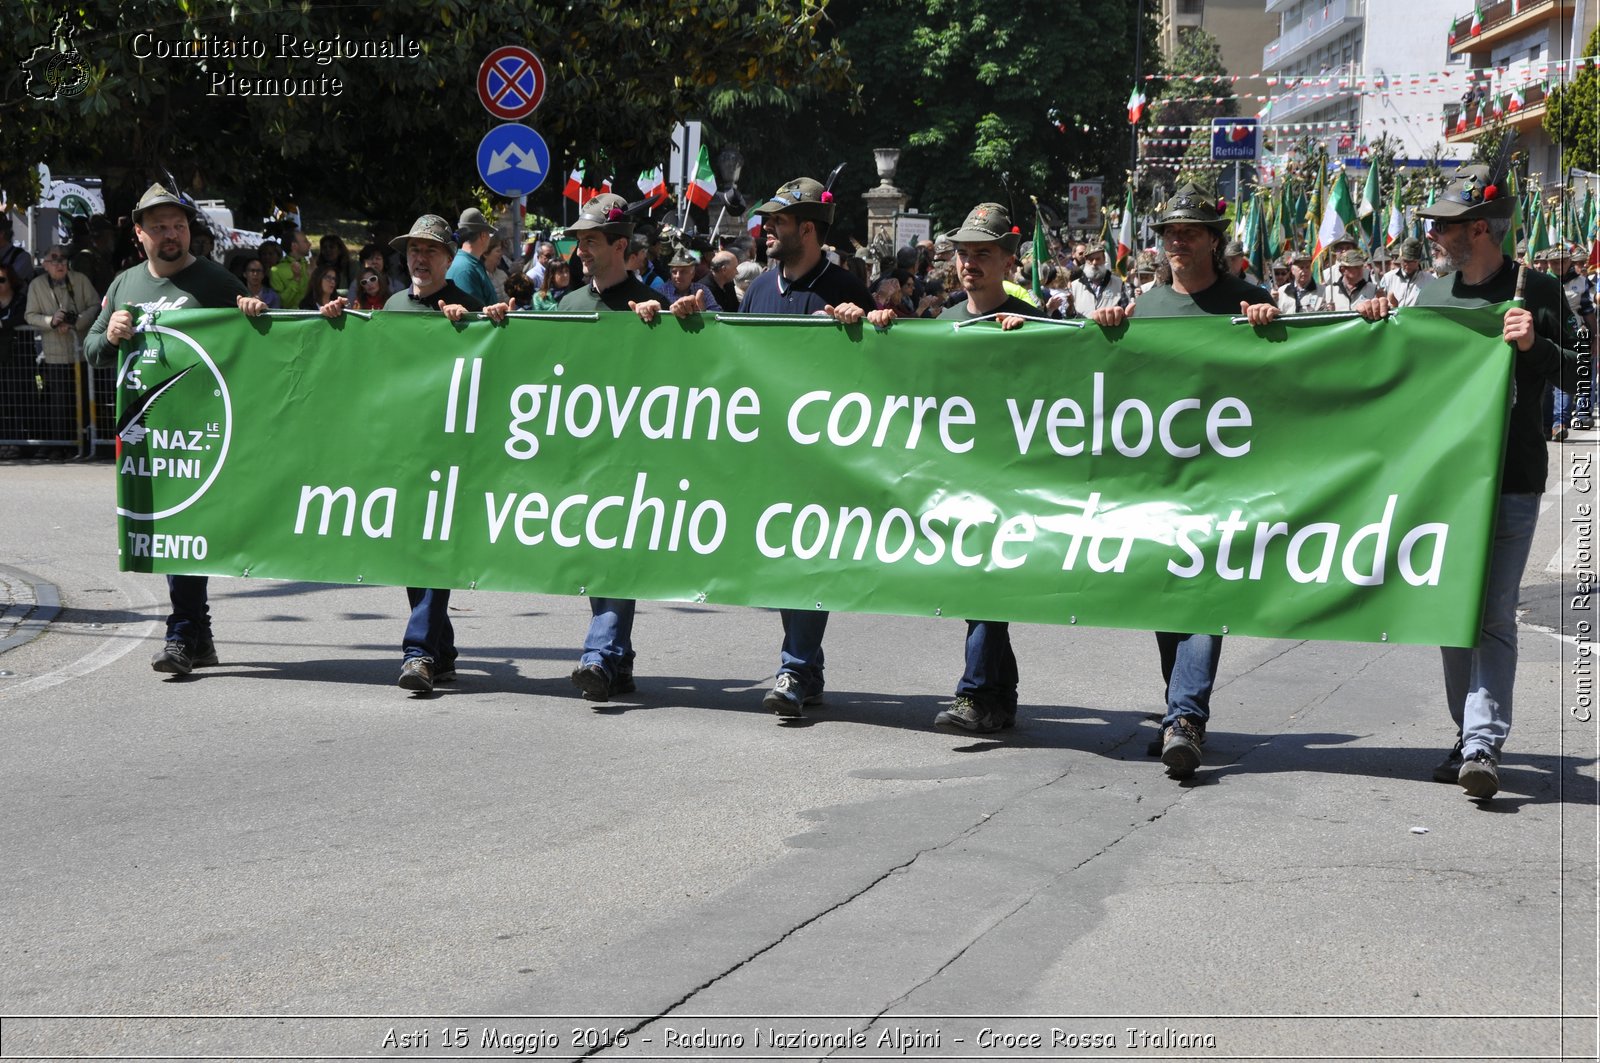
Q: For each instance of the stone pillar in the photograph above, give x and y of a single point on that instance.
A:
(884, 201)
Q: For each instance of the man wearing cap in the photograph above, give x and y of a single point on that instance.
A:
(605, 234)
(796, 221)
(1191, 230)
(681, 268)
(170, 278)
(1097, 287)
(428, 647)
(1239, 262)
(1470, 220)
(986, 250)
(1352, 287)
(467, 271)
(1405, 282)
(1300, 295)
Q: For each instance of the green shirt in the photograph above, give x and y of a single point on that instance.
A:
(1223, 297)
(201, 284)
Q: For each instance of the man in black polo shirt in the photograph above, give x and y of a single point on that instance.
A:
(1191, 231)
(795, 220)
(1470, 220)
(986, 253)
(604, 231)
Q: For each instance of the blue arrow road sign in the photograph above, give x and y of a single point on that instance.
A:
(513, 160)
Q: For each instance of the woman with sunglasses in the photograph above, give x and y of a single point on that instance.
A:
(370, 291)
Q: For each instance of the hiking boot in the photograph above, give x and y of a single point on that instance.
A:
(1180, 747)
(204, 654)
(176, 659)
(1480, 775)
(789, 696)
(444, 673)
(416, 673)
(977, 715)
(1448, 770)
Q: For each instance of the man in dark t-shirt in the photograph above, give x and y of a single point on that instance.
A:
(1470, 220)
(795, 220)
(1191, 231)
(986, 253)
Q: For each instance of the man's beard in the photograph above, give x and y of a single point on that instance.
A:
(1444, 262)
(171, 252)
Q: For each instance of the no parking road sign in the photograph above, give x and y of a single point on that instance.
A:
(511, 82)
(512, 160)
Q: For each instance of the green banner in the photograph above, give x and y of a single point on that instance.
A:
(1325, 480)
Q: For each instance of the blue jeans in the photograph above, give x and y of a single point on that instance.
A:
(610, 640)
(801, 653)
(991, 667)
(429, 632)
(1189, 669)
(1478, 681)
(190, 619)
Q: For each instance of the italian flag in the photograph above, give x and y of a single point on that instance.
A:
(1125, 237)
(1396, 230)
(1136, 102)
(653, 183)
(1452, 41)
(577, 191)
(1515, 103)
(703, 186)
(1461, 121)
(1477, 19)
(1337, 217)
(753, 225)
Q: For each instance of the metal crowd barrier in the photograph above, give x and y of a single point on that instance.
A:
(66, 409)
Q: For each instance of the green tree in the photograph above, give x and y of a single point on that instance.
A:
(1572, 115)
(1189, 99)
(400, 136)
(985, 102)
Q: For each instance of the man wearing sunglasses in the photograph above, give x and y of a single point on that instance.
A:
(1470, 220)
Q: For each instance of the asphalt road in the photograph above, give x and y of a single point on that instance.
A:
(286, 856)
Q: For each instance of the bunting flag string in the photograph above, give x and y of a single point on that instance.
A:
(1383, 81)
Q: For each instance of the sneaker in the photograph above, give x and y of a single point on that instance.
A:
(175, 658)
(1180, 747)
(788, 696)
(1558, 433)
(204, 654)
(593, 682)
(977, 715)
(416, 673)
(1448, 770)
(1480, 776)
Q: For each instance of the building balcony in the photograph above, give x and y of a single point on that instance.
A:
(1529, 116)
(1507, 19)
(1277, 5)
(1320, 25)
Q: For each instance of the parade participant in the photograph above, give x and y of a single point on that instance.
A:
(722, 280)
(795, 220)
(1191, 229)
(986, 250)
(1352, 287)
(1239, 262)
(61, 305)
(1299, 296)
(170, 278)
(681, 269)
(1470, 220)
(428, 647)
(467, 271)
(1098, 287)
(1405, 282)
(605, 240)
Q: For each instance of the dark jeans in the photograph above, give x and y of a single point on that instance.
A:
(991, 666)
(429, 632)
(1189, 669)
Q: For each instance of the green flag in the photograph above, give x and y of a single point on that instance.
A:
(1041, 250)
(1371, 212)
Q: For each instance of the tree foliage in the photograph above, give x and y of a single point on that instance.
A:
(402, 135)
(1572, 116)
(1189, 101)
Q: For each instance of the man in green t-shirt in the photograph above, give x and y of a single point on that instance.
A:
(170, 278)
(986, 253)
(1191, 229)
(1470, 220)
